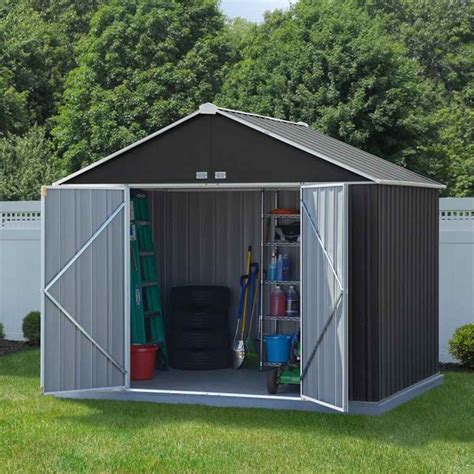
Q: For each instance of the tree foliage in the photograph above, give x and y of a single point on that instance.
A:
(438, 34)
(82, 78)
(328, 64)
(142, 65)
(26, 163)
(33, 56)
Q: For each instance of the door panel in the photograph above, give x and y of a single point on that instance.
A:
(84, 299)
(324, 324)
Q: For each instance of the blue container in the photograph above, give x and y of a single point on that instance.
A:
(278, 348)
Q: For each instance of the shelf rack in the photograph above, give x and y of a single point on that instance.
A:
(281, 282)
(282, 318)
(282, 216)
(281, 244)
(271, 220)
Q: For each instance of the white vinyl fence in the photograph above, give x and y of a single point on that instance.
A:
(456, 269)
(19, 264)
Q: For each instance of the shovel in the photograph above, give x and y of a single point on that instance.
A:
(238, 347)
(251, 353)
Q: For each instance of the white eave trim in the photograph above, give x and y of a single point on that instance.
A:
(127, 148)
(411, 183)
(223, 112)
(211, 109)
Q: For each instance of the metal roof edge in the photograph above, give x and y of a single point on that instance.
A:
(211, 109)
(433, 184)
(296, 145)
(127, 148)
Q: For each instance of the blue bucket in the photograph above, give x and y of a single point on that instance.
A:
(278, 348)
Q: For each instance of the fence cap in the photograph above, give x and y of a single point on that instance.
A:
(456, 204)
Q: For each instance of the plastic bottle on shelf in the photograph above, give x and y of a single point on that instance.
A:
(292, 302)
(279, 268)
(272, 267)
(285, 273)
(277, 302)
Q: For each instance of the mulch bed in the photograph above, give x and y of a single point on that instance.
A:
(7, 347)
(451, 367)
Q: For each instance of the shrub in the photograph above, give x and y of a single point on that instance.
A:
(2, 333)
(31, 327)
(461, 345)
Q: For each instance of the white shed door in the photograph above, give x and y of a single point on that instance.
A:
(84, 291)
(324, 324)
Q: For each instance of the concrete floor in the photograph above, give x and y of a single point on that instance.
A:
(242, 381)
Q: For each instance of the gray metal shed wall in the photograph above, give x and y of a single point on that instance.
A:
(394, 288)
(91, 290)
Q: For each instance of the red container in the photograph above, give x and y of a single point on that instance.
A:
(277, 302)
(143, 358)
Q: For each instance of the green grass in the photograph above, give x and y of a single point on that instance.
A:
(432, 433)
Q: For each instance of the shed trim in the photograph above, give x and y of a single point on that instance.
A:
(320, 155)
(127, 148)
(294, 144)
(211, 109)
(224, 109)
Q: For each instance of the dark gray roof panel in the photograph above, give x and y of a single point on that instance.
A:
(294, 134)
(340, 153)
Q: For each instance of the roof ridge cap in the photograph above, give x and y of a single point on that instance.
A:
(301, 124)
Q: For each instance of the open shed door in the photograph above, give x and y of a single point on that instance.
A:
(324, 325)
(85, 300)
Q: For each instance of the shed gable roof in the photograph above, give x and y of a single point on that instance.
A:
(299, 135)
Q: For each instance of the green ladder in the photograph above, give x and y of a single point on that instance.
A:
(147, 325)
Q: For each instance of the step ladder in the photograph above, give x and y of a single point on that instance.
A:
(147, 324)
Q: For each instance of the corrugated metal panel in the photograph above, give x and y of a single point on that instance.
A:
(393, 288)
(363, 296)
(202, 237)
(91, 290)
(370, 166)
(324, 367)
(408, 286)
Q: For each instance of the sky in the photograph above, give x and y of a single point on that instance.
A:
(251, 9)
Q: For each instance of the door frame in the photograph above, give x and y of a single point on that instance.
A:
(344, 291)
(126, 256)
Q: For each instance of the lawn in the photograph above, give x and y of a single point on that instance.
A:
(37, 433)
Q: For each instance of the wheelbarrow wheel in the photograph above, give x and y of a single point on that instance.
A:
(272, 382)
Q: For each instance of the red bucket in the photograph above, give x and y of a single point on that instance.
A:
(143, 361)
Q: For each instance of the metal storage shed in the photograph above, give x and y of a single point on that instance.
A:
(368, 259)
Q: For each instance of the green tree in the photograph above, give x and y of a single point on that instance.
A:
(329, 64)
(32, 65)
(26, 163)
(142, 65)
(455, 146)
(438, 34)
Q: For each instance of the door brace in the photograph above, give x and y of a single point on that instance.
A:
(320, 338)
(85, 246)
(85, 333)
(315, 230)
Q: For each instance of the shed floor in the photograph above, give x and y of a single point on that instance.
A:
(242, 381)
